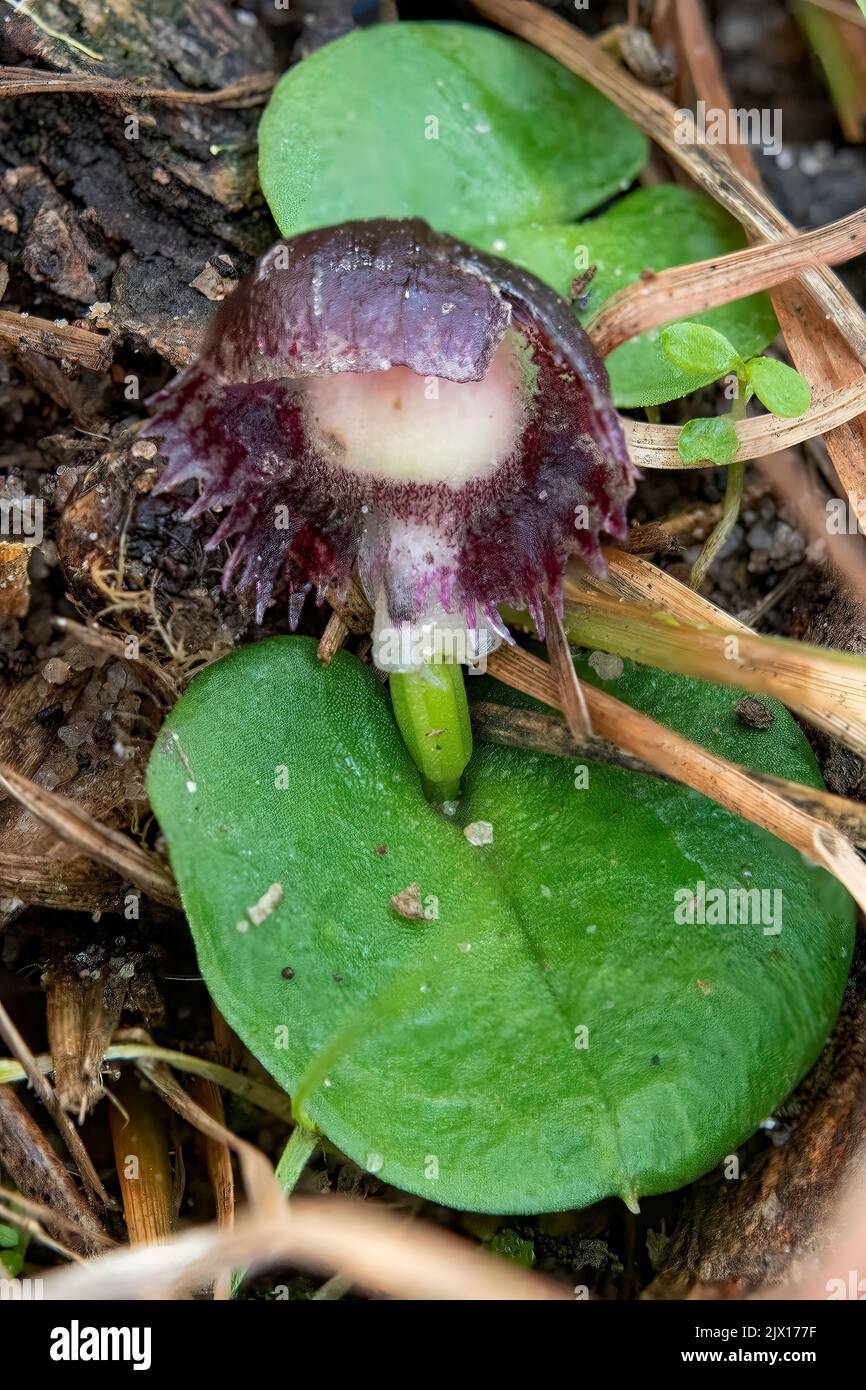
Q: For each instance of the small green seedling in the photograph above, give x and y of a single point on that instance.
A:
(694, 347)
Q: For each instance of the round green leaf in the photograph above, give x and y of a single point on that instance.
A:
(652, 228)
(696, 348)
(708, 441)
(548, 1033)
(451, 122)
(777, 386)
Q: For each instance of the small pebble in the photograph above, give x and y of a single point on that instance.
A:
(752, 713)
(55, 671)
(143, 449)
(606, 666)
(479, 832)
(270, 900)
(407, 904)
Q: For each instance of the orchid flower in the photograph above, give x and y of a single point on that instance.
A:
(379, 399)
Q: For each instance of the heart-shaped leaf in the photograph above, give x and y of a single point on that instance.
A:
(650, 229)
(450, 122)
(532, 1028)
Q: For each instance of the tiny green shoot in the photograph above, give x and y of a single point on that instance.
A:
(694, 347)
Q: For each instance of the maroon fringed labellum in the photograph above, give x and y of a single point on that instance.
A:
(378, 397)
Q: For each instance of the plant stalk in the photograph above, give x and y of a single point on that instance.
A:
(295, 1156)
(432, 713)
(731, 505)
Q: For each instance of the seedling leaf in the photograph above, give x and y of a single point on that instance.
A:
(713, 440)
(777, 386)
(693, 347)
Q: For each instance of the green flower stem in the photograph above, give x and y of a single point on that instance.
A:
(731, 505)
(432, 713)
(295, 1156)
(290, 1165)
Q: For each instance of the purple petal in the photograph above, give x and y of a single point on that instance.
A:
(361, 297)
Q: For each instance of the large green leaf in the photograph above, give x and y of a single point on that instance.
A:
(450, 122)
(443, 1054)
(650, 229)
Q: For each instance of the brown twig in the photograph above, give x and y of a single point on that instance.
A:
(655, 446)
(572, 699)
(134, 1044)
(48, 1216)
(218, 1155)
(711, 169)
(820, 348)
(633, 606)
(64, 1020)
(366, 1244)
(256, 1170)
(140, 1139)
(20, 81)
(658, 297)
(48, 1096)
(332, 639)
(827, 687)
(545, 733)
(75, 885)
(37, 1232)
(97, 841)
(31, 1163)
(67, 343)
(218, 1162)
